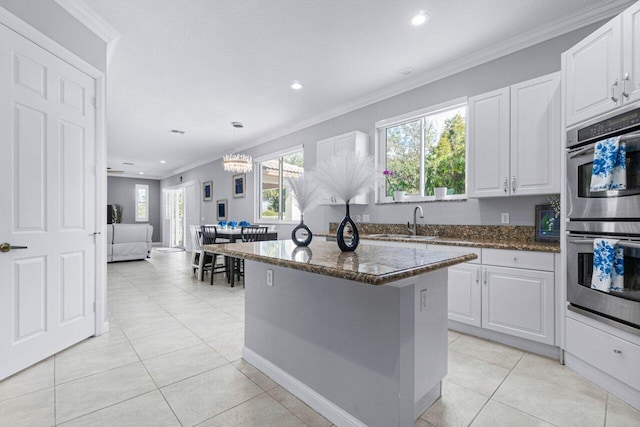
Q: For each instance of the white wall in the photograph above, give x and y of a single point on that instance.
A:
(532, 62)
(56, 23)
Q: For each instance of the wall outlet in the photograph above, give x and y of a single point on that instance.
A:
(504, 217)
(269, 277)
(366, 217)
(423, 299)
(358, 218)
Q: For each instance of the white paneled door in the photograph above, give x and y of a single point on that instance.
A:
(47, 191)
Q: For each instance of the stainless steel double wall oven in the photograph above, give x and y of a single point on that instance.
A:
(613, 214)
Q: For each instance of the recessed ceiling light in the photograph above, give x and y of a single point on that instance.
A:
(420, 18)
(163, 161)
(406, 71)
(128, 163)
(296, 85)
(237, 125)
(141, 173)
(178, 131)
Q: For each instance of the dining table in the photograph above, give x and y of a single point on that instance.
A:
(232, 235)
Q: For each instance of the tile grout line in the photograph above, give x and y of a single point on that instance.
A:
(606, 410)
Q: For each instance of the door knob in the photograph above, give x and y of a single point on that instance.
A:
(6, 247)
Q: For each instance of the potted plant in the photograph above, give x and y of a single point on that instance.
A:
(397, 184)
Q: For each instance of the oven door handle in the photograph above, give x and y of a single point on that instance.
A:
(581, 152)
(622, 243)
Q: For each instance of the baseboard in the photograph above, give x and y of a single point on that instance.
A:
(517, 342)
(156, 243)
(319, 403)
(604, 380)
(428, 399)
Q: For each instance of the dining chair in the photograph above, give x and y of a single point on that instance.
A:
(210, 237)
(251, 233)
(197, 254)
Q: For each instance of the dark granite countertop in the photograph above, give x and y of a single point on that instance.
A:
(375, 265)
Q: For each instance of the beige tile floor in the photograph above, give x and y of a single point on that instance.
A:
(173, 357)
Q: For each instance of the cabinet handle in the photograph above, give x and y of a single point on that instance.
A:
(513, 183)
(624, 85)
(616, 351)
(485, 277)
(613, 91)
(504, 184)
(478, 276)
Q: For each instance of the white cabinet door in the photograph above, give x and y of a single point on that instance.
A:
(464, 294)
(631, 53)
(535, 136)
(489, 144)
(592, 70)
(48, 187)
(519, 302)
(325, 149)
(342, 144)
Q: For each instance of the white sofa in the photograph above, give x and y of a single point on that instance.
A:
(128, 241)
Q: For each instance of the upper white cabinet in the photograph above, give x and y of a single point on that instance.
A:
(488, 126)
(631, 53)
(514, 139)
(602, 72)
(342, 144)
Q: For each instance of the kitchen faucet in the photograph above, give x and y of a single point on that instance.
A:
(414, 230)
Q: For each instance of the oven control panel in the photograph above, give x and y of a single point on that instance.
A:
(603, 128)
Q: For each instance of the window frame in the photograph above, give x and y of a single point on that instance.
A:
(381, 153)
(258, 184)
(138, 187)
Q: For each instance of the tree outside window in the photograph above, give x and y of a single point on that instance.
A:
(428, 152)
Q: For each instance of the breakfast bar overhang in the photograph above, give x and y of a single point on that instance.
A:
(361, 336)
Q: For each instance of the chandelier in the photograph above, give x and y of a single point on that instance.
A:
(236, 162)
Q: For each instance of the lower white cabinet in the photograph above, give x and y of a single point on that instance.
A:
(464, 293)
(613, 355)
(519, 302)
(505, 297)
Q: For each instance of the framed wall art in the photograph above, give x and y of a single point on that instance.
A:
(547, 224)
(221, 209)
(207, 195)
(238, 184)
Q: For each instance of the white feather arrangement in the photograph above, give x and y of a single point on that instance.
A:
(306, 190)
(346, 175)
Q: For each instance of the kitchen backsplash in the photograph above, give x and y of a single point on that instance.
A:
(514, 233)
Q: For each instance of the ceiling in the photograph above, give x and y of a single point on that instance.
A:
(198, 65)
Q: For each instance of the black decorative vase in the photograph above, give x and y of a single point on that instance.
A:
(348, 227)
(298, 233)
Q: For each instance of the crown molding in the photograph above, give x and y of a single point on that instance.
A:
(564, 25)
(88, 17)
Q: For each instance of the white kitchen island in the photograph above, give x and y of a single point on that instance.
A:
(361, 336)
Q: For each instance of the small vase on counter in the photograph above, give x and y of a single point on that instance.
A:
(347, 236)
(301, 235)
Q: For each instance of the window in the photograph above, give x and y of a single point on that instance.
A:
(142, 202)
(425, 150)
(274, 200)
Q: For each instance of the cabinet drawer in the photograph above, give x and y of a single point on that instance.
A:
(615, 356)
(461, 249)
(518, 259)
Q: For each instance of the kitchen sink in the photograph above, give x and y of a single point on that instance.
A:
(404, 236)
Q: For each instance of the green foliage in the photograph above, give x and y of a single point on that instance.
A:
(444, 156)
(403, 155)
(445, 161)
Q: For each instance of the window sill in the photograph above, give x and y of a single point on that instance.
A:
(459, 198)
